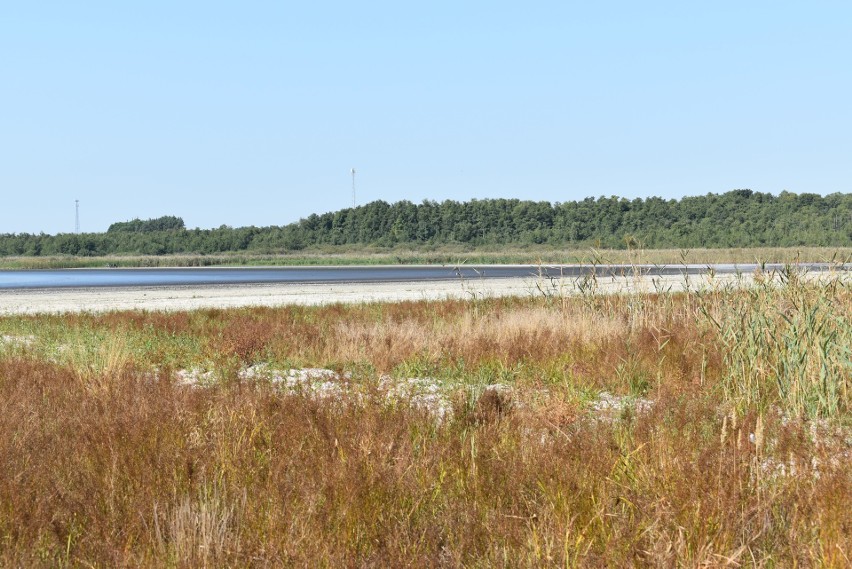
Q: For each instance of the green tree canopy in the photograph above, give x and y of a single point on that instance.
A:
(739, 218)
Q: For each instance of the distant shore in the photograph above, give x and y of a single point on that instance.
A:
(445, 255)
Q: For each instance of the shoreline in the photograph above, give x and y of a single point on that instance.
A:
(195, 297)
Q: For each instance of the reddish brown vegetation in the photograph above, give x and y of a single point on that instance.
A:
(113, 465)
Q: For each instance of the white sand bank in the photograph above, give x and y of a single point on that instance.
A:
(227, 296)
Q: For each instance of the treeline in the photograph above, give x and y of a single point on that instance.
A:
(739, 218)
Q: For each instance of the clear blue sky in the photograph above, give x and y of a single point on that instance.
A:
(252, 113)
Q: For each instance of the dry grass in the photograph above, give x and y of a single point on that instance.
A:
(108, 461)
(448, 254)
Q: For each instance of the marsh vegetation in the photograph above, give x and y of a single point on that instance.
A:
(706, 427)
(445, 255)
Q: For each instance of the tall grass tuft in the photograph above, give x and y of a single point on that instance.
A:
(200, 529)
(787, 343)
(100, 361)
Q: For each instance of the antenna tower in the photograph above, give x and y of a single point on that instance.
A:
(76, 216)
(353, 186)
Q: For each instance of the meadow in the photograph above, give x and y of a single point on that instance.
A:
(709, 427)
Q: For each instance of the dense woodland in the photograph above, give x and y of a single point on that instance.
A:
(739, 218)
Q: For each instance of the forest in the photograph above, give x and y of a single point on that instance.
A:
(738, 218)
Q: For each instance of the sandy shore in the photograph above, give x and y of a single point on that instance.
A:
(227, 296)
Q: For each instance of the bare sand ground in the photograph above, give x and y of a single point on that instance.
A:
(228, 296)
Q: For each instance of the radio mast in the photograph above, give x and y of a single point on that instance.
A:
(76, 216)
(353, 186)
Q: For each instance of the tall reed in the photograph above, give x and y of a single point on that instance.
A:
(787, 343)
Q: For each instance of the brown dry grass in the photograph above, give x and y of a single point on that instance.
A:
(107, 461)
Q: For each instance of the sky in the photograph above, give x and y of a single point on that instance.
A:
(253, 113)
